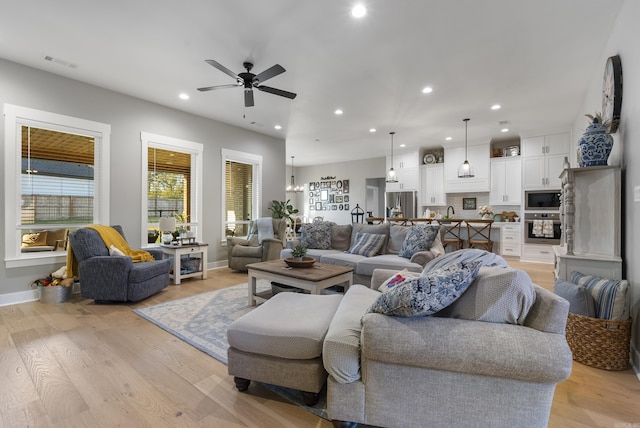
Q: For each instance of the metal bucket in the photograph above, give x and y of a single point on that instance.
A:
(54, 294)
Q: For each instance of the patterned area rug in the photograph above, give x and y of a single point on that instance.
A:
(202, 322)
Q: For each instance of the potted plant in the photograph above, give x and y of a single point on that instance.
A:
(298, 252)
(282, 209)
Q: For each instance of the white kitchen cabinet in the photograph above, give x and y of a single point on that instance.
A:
(543, 159)
(432, 185)
(538, 253)
(478, 157)
(506, 181)
(510, 240)
(407, 172)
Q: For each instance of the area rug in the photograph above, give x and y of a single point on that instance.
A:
(202, 320)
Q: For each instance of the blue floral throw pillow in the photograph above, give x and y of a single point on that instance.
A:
(316, 235)
(427, 294)
(419, 238)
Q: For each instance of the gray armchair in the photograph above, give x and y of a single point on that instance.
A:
(241, 251)
(115, 278)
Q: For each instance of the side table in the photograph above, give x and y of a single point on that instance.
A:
(190, 249)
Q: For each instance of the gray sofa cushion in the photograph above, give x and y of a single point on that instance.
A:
(367, 265)
(312, 252)
(341, 237)
(342, 259)
(341, 349)
(397, 234)
(427, 294)
(379, 229)
(500, 295)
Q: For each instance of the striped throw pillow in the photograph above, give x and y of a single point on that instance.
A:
(610, 295)
(367, 244)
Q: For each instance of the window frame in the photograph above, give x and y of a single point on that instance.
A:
(196, 150)
(240, 157)
(15, 118)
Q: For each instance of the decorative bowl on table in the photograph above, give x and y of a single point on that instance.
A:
(306, 262)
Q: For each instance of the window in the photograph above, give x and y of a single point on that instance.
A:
(56, 178)
(241, 193)
(172, 177)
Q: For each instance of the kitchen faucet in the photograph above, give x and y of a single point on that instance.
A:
(452, 210)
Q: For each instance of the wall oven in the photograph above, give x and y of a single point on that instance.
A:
(542, 200)
(542, 228)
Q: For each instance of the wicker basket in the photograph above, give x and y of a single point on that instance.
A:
(599, 343)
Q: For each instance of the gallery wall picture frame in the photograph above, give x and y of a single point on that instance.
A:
(312, 186)
(346, 198)
(468, 203)
(338, 199)
(318, 206)
(345, 186)
(324, 195)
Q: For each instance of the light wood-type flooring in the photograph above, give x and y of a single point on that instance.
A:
(79, 364)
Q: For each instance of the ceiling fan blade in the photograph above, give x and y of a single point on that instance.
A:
(221, 68)
(248, 98)
(275, 91)
(269, 73)
(211, 88)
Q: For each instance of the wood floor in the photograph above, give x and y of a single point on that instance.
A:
(79, 364)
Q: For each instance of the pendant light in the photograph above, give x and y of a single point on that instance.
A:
(292, 186)
(391, 174)
(465, 170)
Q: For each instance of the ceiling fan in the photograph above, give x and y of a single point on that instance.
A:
(250, 81)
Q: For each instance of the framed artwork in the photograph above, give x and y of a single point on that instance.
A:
(339, 184)
(326, 185)
(312, 208)
(346, 198)
(346, 206)
(334, 207)
(318, 206)
(311, 201)
(345, 186)
(338, 199)
(468, 203)
(312, 186)
(340, 207)
(325, 206)
(324, 195)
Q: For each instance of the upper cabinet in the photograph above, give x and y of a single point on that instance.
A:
(407, 172)
(542, 162)
(478, 157)
(506, 181)
(432, 185)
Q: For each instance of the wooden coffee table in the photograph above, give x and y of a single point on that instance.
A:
(313, 279)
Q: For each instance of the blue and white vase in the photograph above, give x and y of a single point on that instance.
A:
(595, 145)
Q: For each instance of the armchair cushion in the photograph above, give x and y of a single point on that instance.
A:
(427, 294)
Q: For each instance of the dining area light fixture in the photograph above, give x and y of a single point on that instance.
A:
(465, 170)
(391, 174)
(292, 185)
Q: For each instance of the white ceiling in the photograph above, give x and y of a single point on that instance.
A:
(535, 58)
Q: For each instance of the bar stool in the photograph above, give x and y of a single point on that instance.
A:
(479, 234)
(452, 235)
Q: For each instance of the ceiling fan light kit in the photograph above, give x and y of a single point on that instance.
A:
(250, 81)
(465, 170)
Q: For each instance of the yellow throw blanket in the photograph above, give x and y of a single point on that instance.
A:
(110, 236)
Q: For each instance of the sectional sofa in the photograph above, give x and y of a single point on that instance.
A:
(336, 244)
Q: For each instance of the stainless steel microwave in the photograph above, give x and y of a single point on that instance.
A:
(542, 200)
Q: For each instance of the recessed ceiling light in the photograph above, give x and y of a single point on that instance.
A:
(504, 130)
(338, 111)
(448, 138)
(427, 90)
(183, 96)
(496, 107)
(372, 130)
(403, 145)
(278, 127)
(358, 11)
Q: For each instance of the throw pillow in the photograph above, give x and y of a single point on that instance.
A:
(498, 294)
(419, 238)
(37, 239)
(397, 235)
(367, 244)
(341, 236)
(316, 235)
(610, 295)
(113, 251)
(428, 294)
(580, 299)
(396, 279)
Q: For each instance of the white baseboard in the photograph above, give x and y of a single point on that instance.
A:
(19, 297)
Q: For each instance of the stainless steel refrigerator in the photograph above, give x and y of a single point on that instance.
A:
(401, 204)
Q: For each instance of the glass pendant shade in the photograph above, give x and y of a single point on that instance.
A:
(465, 170)
(292, 185)
(391, 174)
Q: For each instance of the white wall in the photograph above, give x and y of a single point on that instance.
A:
(129, 116)
(626, 149)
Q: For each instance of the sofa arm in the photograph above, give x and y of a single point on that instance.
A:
(422, 257)
(292, 243)
(381, 275)
(475, 347)
(105, 276)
